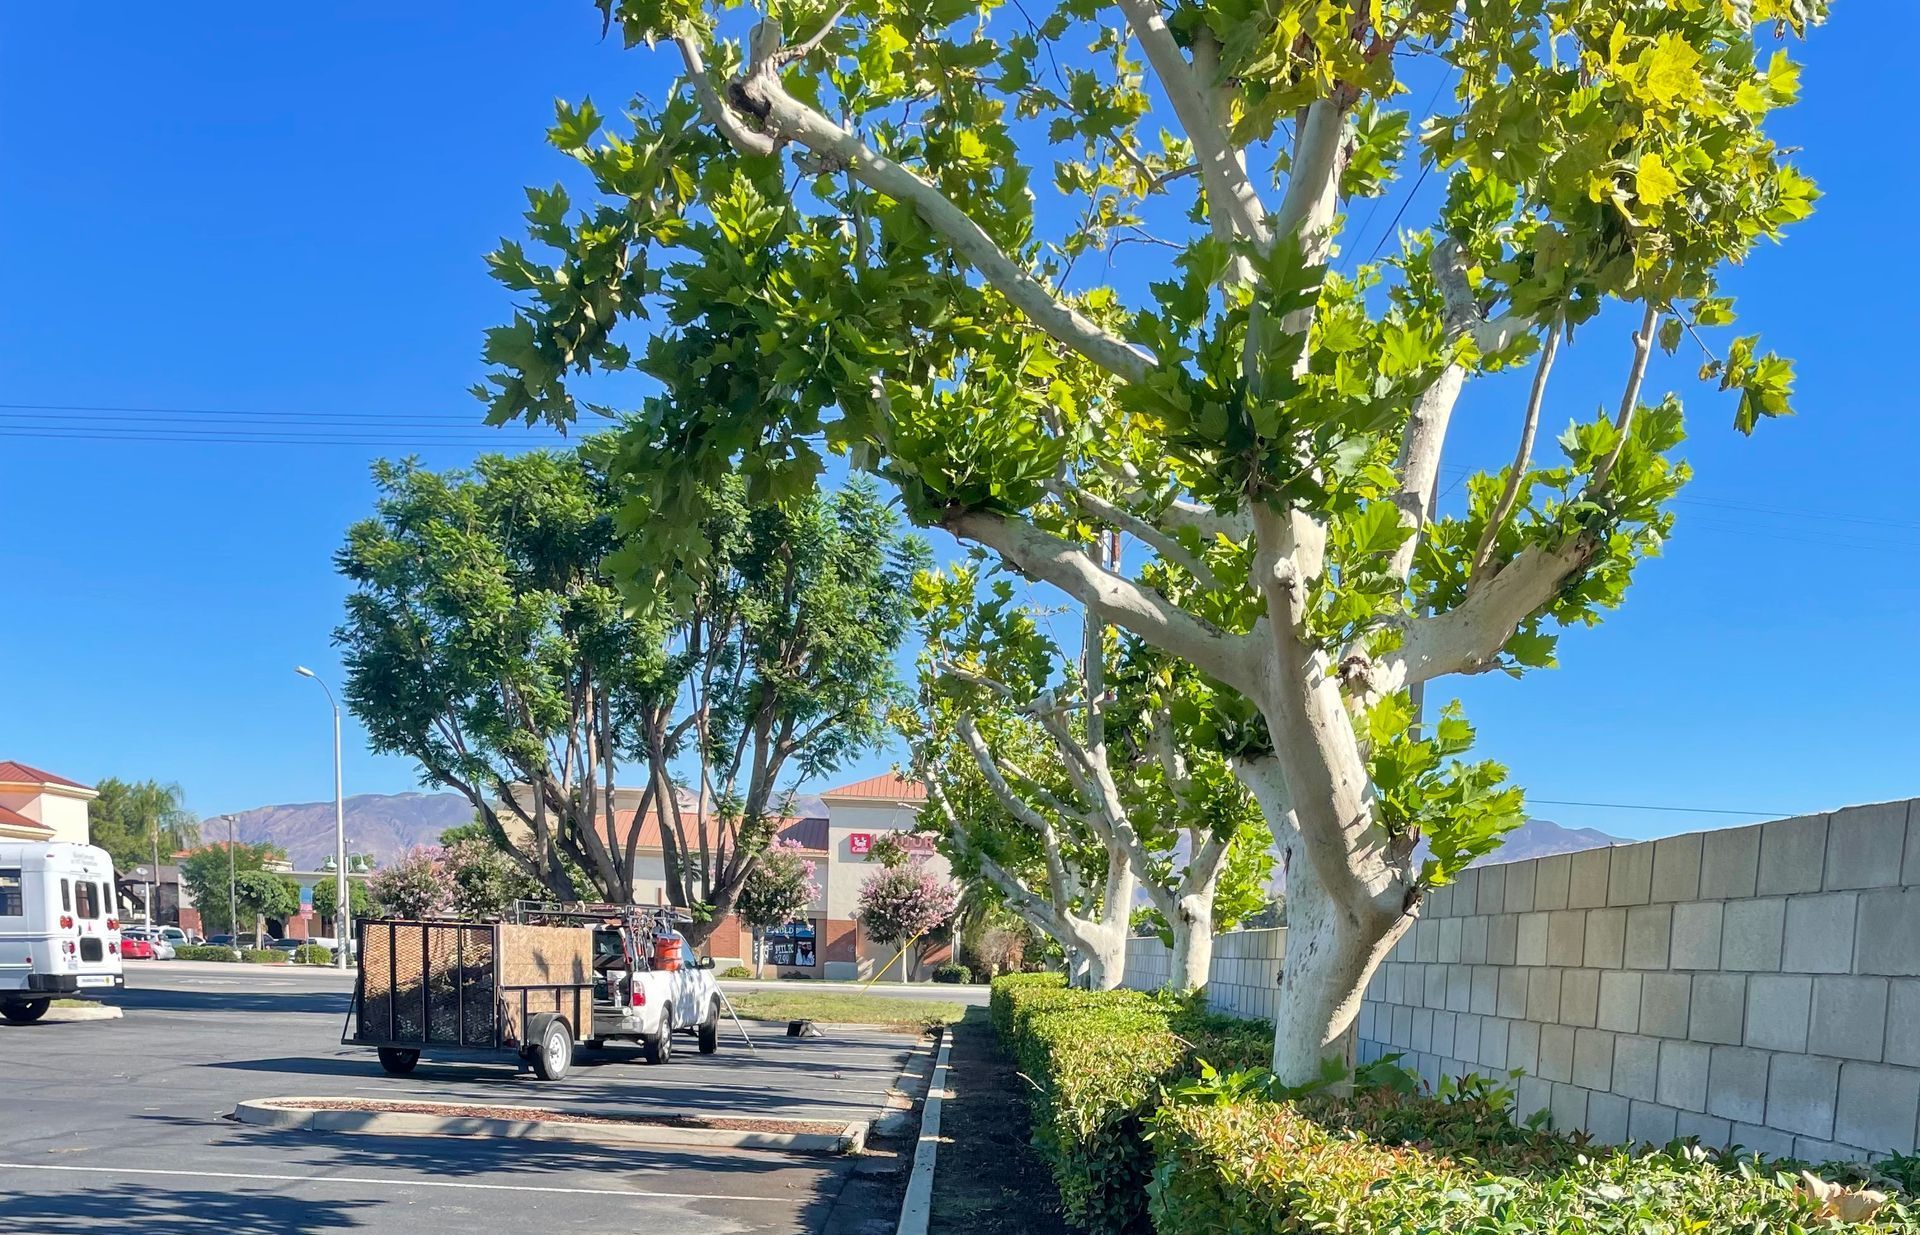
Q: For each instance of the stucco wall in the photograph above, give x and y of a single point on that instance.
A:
(1757, 985)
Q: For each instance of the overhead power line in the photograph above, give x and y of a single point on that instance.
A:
(1678, 810)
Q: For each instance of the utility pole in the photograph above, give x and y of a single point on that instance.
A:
(342, 914)
(233, 896)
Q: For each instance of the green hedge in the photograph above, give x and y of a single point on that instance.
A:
(263, 956)
(312, 954)
(203, 952)
(1389, 1163)
(1098, 1061)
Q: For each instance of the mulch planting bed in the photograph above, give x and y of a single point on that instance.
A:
(535, 1114)
(988, 1179)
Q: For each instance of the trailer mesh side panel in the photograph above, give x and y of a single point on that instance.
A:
(376, 999)
(477, 996)
(409, 987)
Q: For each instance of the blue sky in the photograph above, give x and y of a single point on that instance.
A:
(280, 214)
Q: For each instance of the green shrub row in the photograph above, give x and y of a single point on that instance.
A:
(1098, 1061)
(952, 971)
(1385, 1163)
(1141, 1135)
(203, 952)
(313, 954)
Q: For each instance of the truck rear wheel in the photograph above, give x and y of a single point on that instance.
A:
(397, 1060)
(658, 1046)
(26, 1011)
(710, 1030)
(553, 1051)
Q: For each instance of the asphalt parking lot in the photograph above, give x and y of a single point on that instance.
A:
(118, 1127)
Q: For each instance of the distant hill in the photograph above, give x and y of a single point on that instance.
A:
(383, 824)
(1537, 838)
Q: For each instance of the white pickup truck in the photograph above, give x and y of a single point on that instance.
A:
(649, 986)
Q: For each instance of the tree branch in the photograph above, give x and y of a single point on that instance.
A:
(718, 114)
(1051, 559)
(1522, 456)
(1168, 547)
(1017, 807)
(1623, 420)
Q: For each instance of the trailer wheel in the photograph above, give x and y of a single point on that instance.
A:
(26, 1011)
(398, 1060)
(658, 1047)
(553, 1050)
(710, 1030)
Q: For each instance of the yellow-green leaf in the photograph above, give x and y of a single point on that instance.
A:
(1652, 182)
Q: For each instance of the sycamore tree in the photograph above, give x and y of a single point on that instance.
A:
(889, 229)
(211, 872)
(1070, 784)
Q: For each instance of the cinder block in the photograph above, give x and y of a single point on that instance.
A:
(1532, 1096)
(1436, 903)
(1665, 999)
(1630, 876)
(1566, 936)
(1473, 940)
(1443, 1033)
(1532, 949)
(1587, 884)
(1819, 933)
(1459, 988)
(1696, 935)
(1878, 1107)
(1865, 845)
(1503, 940)
(1849, 1017)
(1807, 1149)
(1543, 996)
(1793, 855)
(1523, 1047)
(1709, 1131)
(1801, 1093)
(1607, 1118)
(1737, 1084)
(1434, 992)
(1579, 997)
(1649, 936)
(1636, 1067)
(1466, 1037)
(1493, 1042)
(1485, 999)
(1606, 938)
(1550, 877)
(1512, 998)
(1888, 941)
(1593, 1058)
(1764, 1141)
(1462, 895)
(1447, 949)
(1569, 1108)
(1719, 1008)
(1493, 889)
(1778, 1011)
(1676, 867)
(1556, 1053)
(1619, 1000)
(1730, 863)
(1521, 877)
(1910, 866)
(1683, 1075)
(1903, 1022)
(1651, 1123)
(1422, 1030)
(1750, 939)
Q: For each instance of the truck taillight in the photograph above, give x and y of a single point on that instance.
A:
(66, 921)
(639, 997)
(71, 947)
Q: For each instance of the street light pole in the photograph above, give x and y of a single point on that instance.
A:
(343, 928)
(233, 896)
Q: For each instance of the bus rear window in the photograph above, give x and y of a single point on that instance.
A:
(12, 902)
(66, 896)
(89, 900)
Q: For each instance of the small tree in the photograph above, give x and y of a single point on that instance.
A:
(140, 822)
(415, 886)
(777, 892)
(904, 904)
(326, 901)
(262, 894)
(482, 881)
(203, 873)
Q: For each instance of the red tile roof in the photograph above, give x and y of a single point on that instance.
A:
(14, 819)
(885, 787)
(13, 772)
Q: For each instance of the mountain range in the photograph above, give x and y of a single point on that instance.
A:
(388, 824)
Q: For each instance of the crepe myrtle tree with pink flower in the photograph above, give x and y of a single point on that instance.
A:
(902, 905)
(415, 886)
(777, 892)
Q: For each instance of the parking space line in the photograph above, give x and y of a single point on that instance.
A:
(374, 1181)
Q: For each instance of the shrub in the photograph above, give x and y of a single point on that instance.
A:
(1100, 1060)
(263, 956)
(203, 952)
(312, 954)
(952, 972)
(1391, 1162)
(736, 971)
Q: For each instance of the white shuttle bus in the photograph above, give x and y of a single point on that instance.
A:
(59, 928)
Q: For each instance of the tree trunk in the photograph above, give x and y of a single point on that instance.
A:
(1193, 941)
(1330, 954)
(1106, 959)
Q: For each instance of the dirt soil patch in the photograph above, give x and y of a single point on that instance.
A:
(535, 1114)
(989, 1180)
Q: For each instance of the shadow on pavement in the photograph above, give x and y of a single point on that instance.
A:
(162, 999)
(133, 1209)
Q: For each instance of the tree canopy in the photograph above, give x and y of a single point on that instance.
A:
(204, 871)
(890, 231)
(129, 818)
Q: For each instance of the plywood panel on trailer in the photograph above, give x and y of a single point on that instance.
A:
(545, 956)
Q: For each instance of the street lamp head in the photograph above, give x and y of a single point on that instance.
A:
(303, 671)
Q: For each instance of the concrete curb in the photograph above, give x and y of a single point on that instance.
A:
(916, 1208)
(94, 1012)
(288, 1114)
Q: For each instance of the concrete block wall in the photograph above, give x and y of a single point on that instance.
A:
(1244, 979)
(1757, 985)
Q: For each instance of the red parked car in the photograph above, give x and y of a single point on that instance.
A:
(136, 948)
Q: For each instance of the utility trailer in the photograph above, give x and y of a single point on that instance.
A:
(472, 987)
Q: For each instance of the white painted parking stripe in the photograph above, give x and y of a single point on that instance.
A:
(398, 1183)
